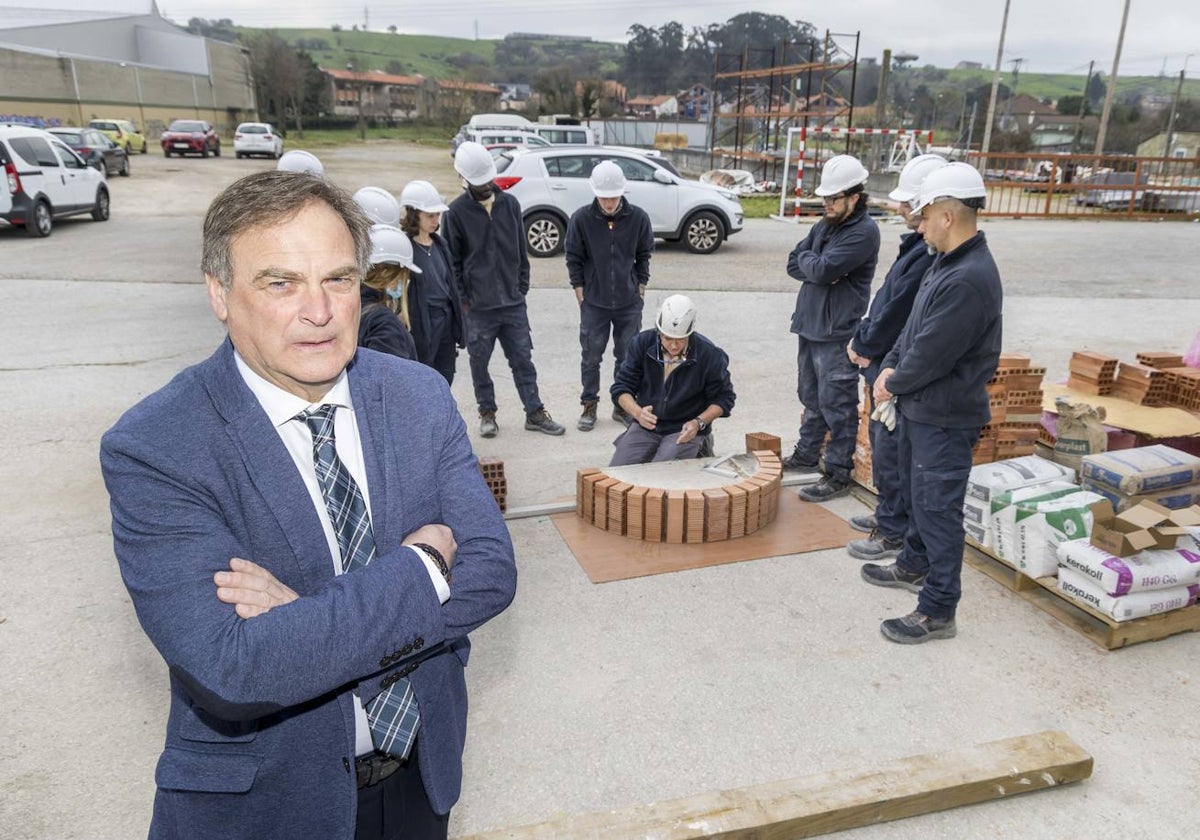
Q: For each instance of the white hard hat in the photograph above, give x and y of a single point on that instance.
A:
(474, 163)
(608, 181)
(913, 174)
(380, 205)
(954, 180)
(421, 195)
(676, 317)
(299, 160)
(841, 173)
(391, 245)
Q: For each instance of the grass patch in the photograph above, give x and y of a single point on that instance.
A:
(321, 138)
(760, 206)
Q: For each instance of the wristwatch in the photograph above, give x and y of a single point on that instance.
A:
(700, 422)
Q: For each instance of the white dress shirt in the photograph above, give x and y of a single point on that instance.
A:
(282, 409)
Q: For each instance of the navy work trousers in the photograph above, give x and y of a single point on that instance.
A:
(443, 353)
(935, 463)
(827, 384)
(510, 326)
(595, 323)
(890, 515)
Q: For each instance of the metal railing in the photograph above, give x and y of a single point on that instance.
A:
(1092, 186)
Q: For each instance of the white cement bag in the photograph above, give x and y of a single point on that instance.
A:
(977, 521)
(1043, 526)
(1005, 506)
(988, 479)
(1118, 576)
(982, 536)
(1135, 605)
(1144, 469)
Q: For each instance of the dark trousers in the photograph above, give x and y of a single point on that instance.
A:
(885, 470)
(827, 384)
(443, 353)
(935, 463)
(636, 445)
(511, 326)
(595, 324)
(398, 809)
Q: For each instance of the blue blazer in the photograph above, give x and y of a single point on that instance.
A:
(260, 738)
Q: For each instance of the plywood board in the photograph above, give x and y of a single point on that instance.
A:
(800, 527)
(1157, 422)
(835, 801)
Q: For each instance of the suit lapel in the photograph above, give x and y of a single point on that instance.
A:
(270, 467)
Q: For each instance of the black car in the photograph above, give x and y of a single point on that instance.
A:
(95, 149)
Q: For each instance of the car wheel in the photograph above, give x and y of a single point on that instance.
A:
(703, 233)
(103, 167)
(145, 147)
(217, 151)
(125, 167)
(41, 222)
(129, 148)
(100, 211)
(166, 152)
(239, 155)
(544, 234)
(204, 151)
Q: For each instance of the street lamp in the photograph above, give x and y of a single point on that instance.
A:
(358, 86)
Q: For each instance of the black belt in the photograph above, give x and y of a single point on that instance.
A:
(374, 768)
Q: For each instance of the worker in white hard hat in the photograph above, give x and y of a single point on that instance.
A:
(438, 325)
(674, 383)
(608, 247)
(835, 264)
(486, 236)
(384, 322)
(936, 379)
(298, 160)
(873, 339)
(381, 206)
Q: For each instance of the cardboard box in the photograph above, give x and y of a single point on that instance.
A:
(1143, 527)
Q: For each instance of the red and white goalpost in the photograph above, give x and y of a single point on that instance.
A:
(907, 144)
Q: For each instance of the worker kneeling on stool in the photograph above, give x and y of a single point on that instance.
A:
(673, 383)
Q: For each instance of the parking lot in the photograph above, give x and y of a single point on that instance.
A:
(583, 697)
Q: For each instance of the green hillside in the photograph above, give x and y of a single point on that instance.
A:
(1055, 85)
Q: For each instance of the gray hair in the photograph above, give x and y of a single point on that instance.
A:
(269, 198)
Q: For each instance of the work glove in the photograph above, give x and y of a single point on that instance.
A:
(885, 413)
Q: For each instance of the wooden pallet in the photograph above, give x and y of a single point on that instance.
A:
(1044, 594)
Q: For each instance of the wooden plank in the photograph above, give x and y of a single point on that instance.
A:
(838, 800)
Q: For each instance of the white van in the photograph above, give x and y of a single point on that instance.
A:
(514, 122)
(43, 179)
(572, 135)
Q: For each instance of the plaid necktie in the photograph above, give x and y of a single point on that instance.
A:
(393, 715)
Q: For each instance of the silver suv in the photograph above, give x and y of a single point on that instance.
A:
(552, 183)
(44, 180)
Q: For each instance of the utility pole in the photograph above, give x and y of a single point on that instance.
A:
(991, 114)
(1083, 103)
(358, 86)
(1174, 108)
(1012, 91)
(881, 100)
(1112, 84)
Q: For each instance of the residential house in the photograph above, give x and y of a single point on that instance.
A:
(695, 102)
(653, 107)
(1059, 133)
(383, 95)
(447, 97)
(1022, 113)
(1183, 144)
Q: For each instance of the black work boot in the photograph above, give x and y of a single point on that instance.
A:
(916, 627)
(892, 576)
(587, 420)
(798, 463)
(865, 523)
(875, 547)
(827, 488)
(487, 424)
(540, 421)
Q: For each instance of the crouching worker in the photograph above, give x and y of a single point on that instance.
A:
(673, 383)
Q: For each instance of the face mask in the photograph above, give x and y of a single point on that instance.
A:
(394, 292)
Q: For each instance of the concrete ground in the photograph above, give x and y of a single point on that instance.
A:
(584, 697)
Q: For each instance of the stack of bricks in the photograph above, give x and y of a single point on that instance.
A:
(862, 472)
(493, 473)
(654, 514)
(1091, 373)
(1159, 360)
(1015, 397)
(761, 441)
(1140, 384)
(1183, 387)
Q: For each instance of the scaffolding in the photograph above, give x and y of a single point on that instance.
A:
(774, 90)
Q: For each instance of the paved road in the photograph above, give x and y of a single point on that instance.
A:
(583, 697)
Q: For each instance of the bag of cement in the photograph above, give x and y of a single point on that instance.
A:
(988, 479)
(1142, 470)
(1136, 605)
(977, 521)
(1043, 526)
(981, 535)
(1080, 432)
(1174, 498)
(1005, 507)
(1118, 576)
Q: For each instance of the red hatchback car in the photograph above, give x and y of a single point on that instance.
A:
(191, 136)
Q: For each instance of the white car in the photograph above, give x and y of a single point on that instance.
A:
(552, 183)
(43, 180)
(257, 139)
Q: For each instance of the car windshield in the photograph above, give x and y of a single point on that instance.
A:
(71, 138)
(252, 128)
(186, 125)
(503, 161)
(103, 126)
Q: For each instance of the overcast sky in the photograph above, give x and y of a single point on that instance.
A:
(1052, 36)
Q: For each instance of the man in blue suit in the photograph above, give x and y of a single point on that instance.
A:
(307, 541)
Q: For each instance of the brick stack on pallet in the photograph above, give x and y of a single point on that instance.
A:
(1092, 373)
(493, 473)
(1140, 384)
(1015, 395)
(1181, 384)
